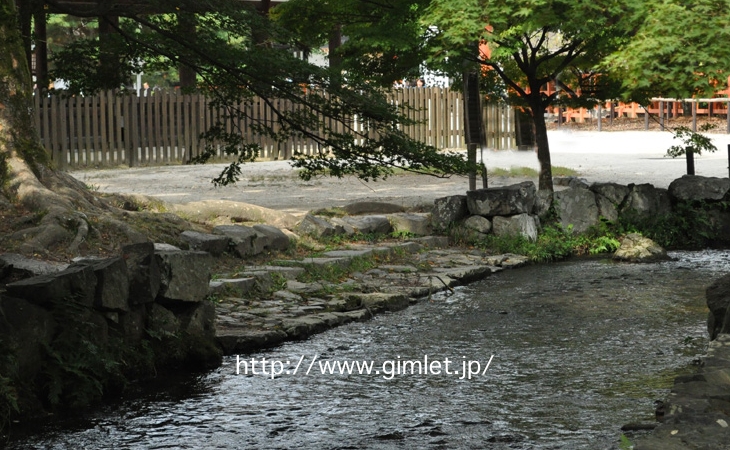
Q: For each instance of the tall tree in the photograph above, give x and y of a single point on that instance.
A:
(532, 43)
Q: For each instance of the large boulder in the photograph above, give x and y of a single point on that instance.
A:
(543, 202)
(244, 240)
(318, 227)
(24, 267)
(522, 224)
(185, 275)
(647, 201)
(637, 248)
(415, 223)
(609, 198)
(502, 201)
(143, 272)
(368, 224)
(448, 210)
(718, 301)
(274, 237)
(112, 282)
(696, 188)
(479, 224)
(576, 207)
(214, 244)
(74, 284)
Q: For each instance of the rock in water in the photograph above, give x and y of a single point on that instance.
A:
(637, 248)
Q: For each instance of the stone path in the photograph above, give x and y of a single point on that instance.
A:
(263, 306)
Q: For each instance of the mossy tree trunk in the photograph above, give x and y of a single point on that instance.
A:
(27, 177)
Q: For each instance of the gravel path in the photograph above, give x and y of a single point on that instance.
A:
(622, 157)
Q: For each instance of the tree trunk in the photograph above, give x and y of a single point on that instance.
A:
(186, 74)
(62, 206)
(545, 182)
(333, 45)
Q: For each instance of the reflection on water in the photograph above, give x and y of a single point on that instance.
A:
(580, 348)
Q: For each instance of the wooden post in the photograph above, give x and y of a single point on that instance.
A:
(694, 116)
(471, 156)
(612, 110)
(661, 115)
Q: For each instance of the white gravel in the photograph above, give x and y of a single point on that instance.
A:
(622, 157)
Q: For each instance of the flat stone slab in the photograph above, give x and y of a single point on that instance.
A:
(214, 244)
(323, 262)
(234, 340)
(378, 302)
(30, 267)
(348, 253)
(467, 274)
(288, 272)
(234, 286)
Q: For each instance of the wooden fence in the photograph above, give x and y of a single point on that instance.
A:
(164, 128)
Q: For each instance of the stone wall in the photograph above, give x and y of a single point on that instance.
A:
(100, 320)
(518, 209)
(696, 414)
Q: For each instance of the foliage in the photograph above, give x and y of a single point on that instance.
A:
(678, 51)
(239, 55)
(692, 141)
(555, 242)
(385, 41)
(688, 226)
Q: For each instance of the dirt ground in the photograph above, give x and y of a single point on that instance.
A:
(619, 156)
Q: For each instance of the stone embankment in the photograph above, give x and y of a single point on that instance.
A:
(696, 415)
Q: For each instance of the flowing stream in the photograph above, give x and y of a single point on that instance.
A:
(579, 349)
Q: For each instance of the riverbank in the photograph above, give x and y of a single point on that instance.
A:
(260, 306)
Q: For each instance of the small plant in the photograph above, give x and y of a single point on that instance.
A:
(528, 172)
(402, 234)
(625, 443)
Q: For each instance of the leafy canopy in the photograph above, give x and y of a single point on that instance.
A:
(240, 54)
(679, 50)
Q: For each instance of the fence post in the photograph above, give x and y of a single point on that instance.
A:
(661, 115)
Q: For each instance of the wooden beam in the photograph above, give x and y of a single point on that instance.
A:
(126, 7)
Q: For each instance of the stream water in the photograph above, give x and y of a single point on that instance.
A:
(577, 349)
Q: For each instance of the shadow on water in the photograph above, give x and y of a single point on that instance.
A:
(580, 348)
